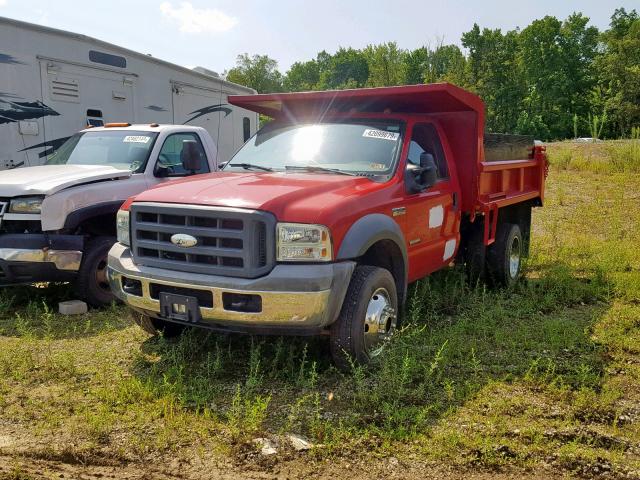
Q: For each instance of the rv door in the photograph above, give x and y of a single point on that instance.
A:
(82, 95)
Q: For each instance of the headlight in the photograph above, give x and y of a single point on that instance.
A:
(122, 227)
(25, 205)
(299, 242)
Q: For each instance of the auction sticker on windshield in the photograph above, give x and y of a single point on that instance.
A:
(373, 133)
(136, 139)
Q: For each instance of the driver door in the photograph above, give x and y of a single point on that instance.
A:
(430, 213)
(169, 163)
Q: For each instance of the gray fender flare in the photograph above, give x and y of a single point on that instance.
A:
(368, 230)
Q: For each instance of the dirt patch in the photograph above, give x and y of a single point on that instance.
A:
(28, 468)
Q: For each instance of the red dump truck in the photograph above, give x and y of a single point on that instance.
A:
(325, 216)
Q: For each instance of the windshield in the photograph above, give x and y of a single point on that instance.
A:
(358, 146)
(122, 149)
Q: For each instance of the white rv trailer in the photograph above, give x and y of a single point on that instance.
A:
(54, 83)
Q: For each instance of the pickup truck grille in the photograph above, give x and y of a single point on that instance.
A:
(231, 242)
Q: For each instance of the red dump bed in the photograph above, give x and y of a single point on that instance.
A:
(485, 185)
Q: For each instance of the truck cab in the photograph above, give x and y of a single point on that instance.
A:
(58, 220)
(322, 220)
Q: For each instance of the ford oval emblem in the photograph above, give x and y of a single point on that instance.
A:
(184, 240)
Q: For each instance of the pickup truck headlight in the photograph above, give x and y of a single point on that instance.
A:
(300, 242)
(26, 205)
(122, 227)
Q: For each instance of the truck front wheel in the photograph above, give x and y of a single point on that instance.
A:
(368, 317)
(504, 257)
(92, 284)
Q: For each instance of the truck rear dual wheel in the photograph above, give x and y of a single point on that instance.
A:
(92, 284)
(155, 326)
(504, 256)
(368, 318)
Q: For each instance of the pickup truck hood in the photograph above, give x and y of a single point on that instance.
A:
(49, 179)
(287, 195)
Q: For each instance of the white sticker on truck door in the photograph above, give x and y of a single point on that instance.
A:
(436, 216)
(136, 139)
(373, 133)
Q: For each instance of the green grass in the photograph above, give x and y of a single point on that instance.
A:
(542, 376)
(620, 156)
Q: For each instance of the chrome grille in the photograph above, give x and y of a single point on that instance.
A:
(230, 241)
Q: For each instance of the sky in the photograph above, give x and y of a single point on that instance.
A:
(212, 33)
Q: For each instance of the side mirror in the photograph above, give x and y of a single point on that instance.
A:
(161, 171)
(420, 178)
(429, 174)
(191, 156)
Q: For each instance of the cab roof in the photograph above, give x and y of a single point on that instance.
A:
(431, 98)
(144, 127)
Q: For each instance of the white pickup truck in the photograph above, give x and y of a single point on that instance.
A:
(58, 220)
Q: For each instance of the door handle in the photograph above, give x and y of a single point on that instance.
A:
(455, 200)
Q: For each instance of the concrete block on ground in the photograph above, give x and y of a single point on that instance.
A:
(72, 307)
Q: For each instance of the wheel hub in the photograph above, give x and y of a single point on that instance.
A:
(101, 275)
(514, 258)
(379, 323)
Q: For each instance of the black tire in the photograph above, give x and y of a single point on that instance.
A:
(500, 255)
(474, 255)
(347, 336)
(155, 326)
(92, 285)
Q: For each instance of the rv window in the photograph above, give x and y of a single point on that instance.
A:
(94, 118)
(170, 161)
(246, 128)
(107, 59)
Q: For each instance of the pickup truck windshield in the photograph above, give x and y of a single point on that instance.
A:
(367, 147)
(123, 149)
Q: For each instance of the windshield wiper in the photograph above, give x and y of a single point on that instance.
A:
(315, 168)
(248, 166)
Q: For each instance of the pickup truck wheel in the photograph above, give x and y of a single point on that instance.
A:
(504, 257)
(155, 326)
(92, 284)
(368, 318)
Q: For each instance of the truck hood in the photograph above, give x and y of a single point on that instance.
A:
(288, 196)
(49, 179)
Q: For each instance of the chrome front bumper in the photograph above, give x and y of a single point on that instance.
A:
(292, 296)
(68, 260)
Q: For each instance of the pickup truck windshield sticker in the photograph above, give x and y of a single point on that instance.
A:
(378, 166)
(136, 139)
(373, 133)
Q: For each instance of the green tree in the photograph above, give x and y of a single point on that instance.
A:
(386, 65)
(302, 76)
(556, 60)
(619, 72)
(415, 63)
(446, 63)
(494, 73)
(347, 68)
(258, 72)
